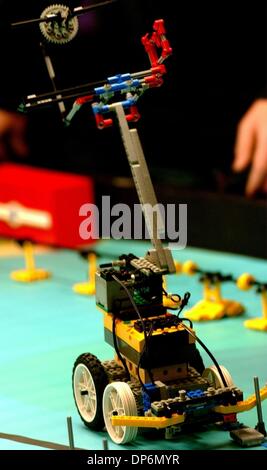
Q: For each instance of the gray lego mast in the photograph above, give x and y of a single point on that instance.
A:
(159, 258)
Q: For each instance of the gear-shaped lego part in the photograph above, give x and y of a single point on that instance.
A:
(61, 30)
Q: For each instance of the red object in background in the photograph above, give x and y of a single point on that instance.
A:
(43, 205)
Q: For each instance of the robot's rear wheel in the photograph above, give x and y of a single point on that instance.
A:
(212, 375)
(89, 380)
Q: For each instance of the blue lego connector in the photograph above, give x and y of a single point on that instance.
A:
(195, 394)
(151, 395)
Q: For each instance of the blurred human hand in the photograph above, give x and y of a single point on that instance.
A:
(12, 134)
(251, 147)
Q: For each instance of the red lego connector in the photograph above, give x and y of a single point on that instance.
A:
(157, 40)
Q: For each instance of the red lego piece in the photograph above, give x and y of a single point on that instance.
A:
(230, 418)
(43, 205)
(157, 41)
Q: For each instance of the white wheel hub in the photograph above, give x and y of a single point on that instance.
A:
(214, 378)
(85, 393)
(118, 399)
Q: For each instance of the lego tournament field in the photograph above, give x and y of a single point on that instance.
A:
(45, 326)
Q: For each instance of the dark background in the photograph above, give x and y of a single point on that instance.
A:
(188, 126)
(217, 69)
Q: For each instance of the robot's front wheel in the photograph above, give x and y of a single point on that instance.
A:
(118, 399)
(212, 375)
(89, 380)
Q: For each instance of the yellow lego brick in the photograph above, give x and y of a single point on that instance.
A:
(30, 275)
(259, 324)
(126, 331)
(147, 421)
(84, 288)
(88, 287)
(242, 406)
(207, 310)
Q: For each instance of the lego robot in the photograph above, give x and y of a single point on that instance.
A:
(157, 378)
